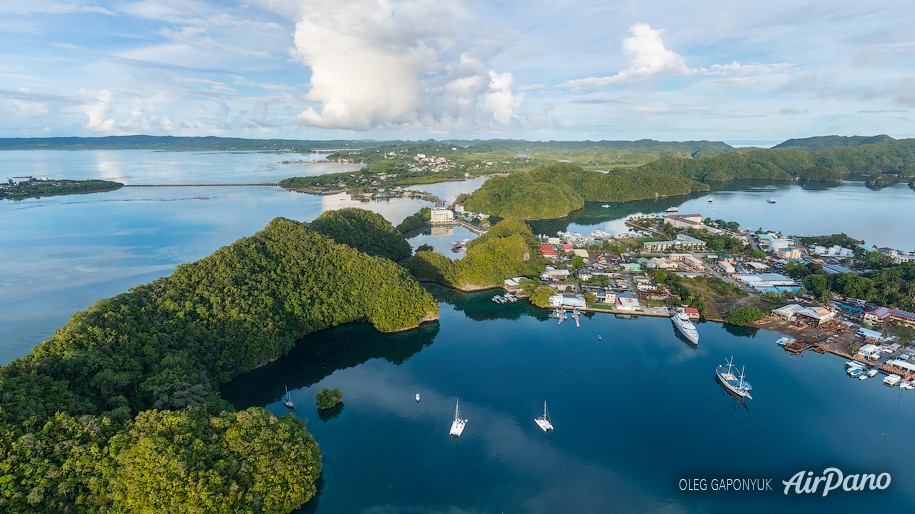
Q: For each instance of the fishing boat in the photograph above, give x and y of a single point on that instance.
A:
(417, 397)
(457, 426)
(892, 380)
(735, 384)
(287, 401)
(685, 326)
(782, 341)
(544, 421)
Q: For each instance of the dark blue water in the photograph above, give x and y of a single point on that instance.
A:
(634, 413)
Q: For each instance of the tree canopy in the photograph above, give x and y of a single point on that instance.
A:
(363, 230)
(122, 406)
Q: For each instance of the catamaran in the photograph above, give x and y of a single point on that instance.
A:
(287, 400)
(685, 326)
(733, 383)
(544, 421)
(457, 426)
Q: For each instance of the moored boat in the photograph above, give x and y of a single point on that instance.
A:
(287, 400)
(681, 321)
(457, 426)
(892, 380)
(735, 384)
(544, 421)
(417, 397)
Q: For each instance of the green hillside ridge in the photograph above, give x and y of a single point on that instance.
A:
(363, 230)
(82, 418)
(508, 249)
(820, 142)
(555, 190)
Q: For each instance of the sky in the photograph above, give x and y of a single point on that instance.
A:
(740, 72)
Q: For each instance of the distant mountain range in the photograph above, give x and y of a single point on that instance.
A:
(820, 142)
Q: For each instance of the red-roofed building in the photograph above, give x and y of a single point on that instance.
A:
(692, 312)
(878, 315)
(567, 247)
(548, 251)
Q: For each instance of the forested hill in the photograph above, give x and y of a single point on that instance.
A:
(363, 230)
(820, 142)
(681, 147)
(554, 191)
(81, 425)
(833, 163)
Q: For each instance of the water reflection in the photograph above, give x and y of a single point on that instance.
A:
(739, 331)
(318, 355)
(480, 307)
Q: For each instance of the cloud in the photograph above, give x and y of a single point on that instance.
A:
(32, 7)
(97, 112)
(376, 66)
(649, 58)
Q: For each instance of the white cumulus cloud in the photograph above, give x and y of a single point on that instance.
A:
(376, 65)
(648, 57)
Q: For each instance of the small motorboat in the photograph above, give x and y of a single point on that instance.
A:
(417, 397)
(600, 338)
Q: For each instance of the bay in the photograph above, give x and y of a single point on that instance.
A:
(881, 218)
(635, 412)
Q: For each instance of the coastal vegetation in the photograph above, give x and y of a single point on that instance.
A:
(415, 220)
(744, 316)
(508, 249)
(36, 187)
(881, 180)
(363, 230)
(121, 405)
(554, 190)
(892, 285)
(327, 398)
(841, 239)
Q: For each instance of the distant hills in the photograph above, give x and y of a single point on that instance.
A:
(820, 142)
(176, 143)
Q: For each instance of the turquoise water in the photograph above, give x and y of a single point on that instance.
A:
(633, 413)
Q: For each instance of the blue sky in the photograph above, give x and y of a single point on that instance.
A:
(418, 69)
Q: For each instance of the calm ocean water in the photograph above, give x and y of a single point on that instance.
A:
(634, 413)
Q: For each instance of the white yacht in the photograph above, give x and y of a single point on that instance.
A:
(457, 426)
(892, 380)
(685, 326)
(544, 421)
(287, 400)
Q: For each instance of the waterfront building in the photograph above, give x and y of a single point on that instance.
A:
(902, 317)
(442, 216)
(684, 220)
(682, 243)
(627, 302)
(564, 300)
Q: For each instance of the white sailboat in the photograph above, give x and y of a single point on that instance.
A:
(544, 421)
(457, 426)
(287, 401)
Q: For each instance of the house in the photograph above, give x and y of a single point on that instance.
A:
(688, 260)
(758, 266)
(553, 274)
(878, 315)
(627, 302)
(442, 216)
(630, 266)
(870, 351)
(727, 267)
(662, 263)
(548, 252)
(606, 296)
(582, 253)
(691, 312)
(567, 247)
(564, 300)
(679, 244)
(512, 285)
